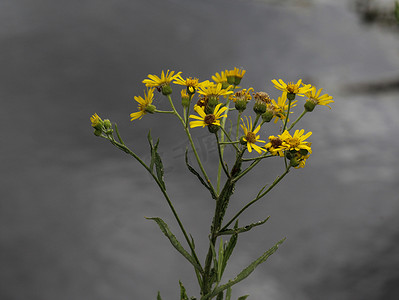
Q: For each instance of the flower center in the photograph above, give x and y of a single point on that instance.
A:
(292, 88)
(209, 119)
(293, 142)
(251, 137)
(262, 97)
(276, 142)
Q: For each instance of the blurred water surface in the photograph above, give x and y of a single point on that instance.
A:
(72, 207)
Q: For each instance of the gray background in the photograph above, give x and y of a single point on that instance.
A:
(72, 206)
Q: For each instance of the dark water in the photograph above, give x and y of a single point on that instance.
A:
(72, 207)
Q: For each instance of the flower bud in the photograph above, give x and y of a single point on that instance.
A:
(267, 116)
(242, 141)
(107, 124)
(309, 105)
(240, 105)
(166, 90)
(231, 80)
(294, 162)
(150, 108)
(213, 101)
(96, 122)
(185, 99)
(260, 107)
(290, 96)
(213, 128)
(97, 132)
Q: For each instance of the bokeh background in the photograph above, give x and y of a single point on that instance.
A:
(72, 207)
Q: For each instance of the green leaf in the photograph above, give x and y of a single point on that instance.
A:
(159, 169)
(243, 297)
(192, 170)
(152, 150)
(220, 261)
(229, 249)
(183, 295)
(397, 11)
(228, 293)
(244, 273)
(165, 229)
(156, 160)
(220, 296)
(159, 296)
(242, 229)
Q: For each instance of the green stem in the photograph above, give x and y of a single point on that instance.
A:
(256, 120)
(288, 113)
(160, 185)
(222, 125)
(220, 210)
(296, 121)
(220, 156)
(238, 124)
(192, 145)
(259, 196)
(228, 137)
(164, 111)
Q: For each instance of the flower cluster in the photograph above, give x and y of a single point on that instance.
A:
(220, 99)
(213, 106)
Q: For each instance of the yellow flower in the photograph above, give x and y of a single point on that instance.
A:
(275, 146)
(316, 99)
(207, 119)
(213, 90)
(280, 107)
(299, 160)
(191, 83)
(234, 76)
(96, 121)
(220, 78)
(250, 136)
(145, 105)
(295, 142)
(291, 88)
(161, 83)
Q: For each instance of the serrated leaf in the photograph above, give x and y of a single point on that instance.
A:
(165, 229)
(243, 297)
(243, 229)
(183, 295)
(244, 273)
(192, 170)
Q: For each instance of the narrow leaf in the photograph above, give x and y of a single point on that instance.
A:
(229, 250)
(242, 229)
(165, 229)
(159, 296)
(246, 272)
(220, 296)
(192, 170)
(228, 293)
(159, 169)
(183, 295)
(220, 261)
(243, 297)
(152, 150)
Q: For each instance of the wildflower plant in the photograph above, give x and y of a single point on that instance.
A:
(218, 102)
